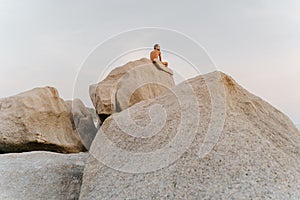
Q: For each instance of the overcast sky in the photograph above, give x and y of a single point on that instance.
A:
(257, 42)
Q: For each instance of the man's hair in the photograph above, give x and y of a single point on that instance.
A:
(156, 45)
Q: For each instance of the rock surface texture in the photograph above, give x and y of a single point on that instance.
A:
(236, 146)
(41, 175)
(38, 120)
(82, 121)
(129, 84)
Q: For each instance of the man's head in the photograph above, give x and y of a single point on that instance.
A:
(157, 47)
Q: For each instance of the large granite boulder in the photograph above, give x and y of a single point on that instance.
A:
(41, 175)
(39, 120)
(129, 84)
(216, 141)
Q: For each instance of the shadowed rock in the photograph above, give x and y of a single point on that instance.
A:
(83, 122)
(41, 175)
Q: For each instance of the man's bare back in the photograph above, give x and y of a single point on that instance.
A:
(156, 54)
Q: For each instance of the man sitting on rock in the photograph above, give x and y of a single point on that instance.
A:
(155, 54)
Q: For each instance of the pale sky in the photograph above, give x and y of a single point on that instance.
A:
(257, 42)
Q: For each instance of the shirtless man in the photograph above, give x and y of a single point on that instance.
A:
(155, 54)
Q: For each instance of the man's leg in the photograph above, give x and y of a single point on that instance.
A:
(165, 64)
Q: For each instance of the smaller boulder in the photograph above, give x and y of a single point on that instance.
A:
(39, 119)
(129, 84)
(82, 121)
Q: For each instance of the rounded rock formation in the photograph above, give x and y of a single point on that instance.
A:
(38, 120)
(129, 84)
(254, 155)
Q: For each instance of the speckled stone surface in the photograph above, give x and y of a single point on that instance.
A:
(255, 156)
(41, 175)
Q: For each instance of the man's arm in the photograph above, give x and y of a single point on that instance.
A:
(159, 56)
